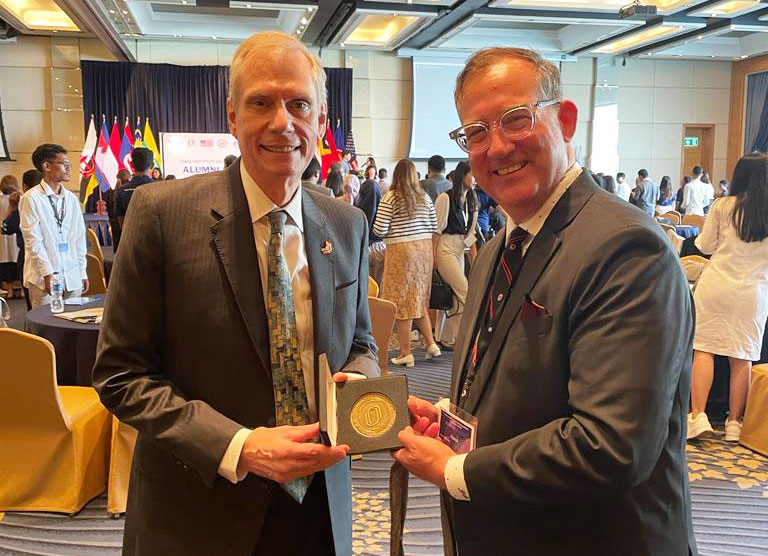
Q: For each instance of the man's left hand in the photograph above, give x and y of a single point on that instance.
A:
(423, 456)
(85, 286)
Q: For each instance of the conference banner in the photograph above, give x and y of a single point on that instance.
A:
(189, 154)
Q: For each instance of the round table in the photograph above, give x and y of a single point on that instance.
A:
(687, 231)
(74, 343)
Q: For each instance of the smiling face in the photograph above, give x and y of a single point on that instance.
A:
(277, 119)
(519, 174)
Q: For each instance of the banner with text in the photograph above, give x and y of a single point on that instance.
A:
(188, 154)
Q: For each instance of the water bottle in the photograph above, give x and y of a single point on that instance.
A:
(57, 294)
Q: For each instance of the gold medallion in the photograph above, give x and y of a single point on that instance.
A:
(373, 414)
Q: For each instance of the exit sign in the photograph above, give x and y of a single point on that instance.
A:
(690, 141)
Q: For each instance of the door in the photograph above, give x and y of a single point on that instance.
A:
(698, 148)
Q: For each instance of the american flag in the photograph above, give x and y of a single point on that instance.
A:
(350, 144)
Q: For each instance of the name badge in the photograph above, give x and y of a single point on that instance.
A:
(63, 247)
(458, 428)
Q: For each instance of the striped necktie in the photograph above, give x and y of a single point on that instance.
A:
(506, 272)
(291, 405)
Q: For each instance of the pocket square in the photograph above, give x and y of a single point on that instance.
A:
(531, 309)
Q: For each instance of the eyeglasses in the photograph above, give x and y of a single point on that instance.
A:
(65, 164)
(515, 123)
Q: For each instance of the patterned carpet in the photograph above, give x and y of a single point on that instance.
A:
(729, 486)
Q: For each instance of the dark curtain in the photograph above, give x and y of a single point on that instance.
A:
(339, 86)
(176, 98)
(183, 98)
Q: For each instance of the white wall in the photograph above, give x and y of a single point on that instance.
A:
(656, 98)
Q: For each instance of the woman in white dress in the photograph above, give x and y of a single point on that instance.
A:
(731, 296)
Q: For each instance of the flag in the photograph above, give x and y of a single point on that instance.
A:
(124, 159)
(90, 184)
(138, 141)
(115, 145)
(106, 162)
(326, 149)
(149, 141)
(86, 160)
(351, 150)
(338, 136)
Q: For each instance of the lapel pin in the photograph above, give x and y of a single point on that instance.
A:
(327, 248)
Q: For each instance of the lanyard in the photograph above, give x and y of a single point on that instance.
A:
(59, 216)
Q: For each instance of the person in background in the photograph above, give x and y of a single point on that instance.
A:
(666, 201)
(351, 186)
(142, 160)
(608, 184)
(456, 211)
(731, 296)
(370, 161)
(696, 195)
(723, 189)
(344, 163)
(335, 180)
(406, 221)
(110, 196)
(383, 182)
(170, 177)
(54, 232)
(156, 174)
(229, 160)
(485, 206)
(30, 179)
(9, 251)
(684, 181)
(310, 179)
(709, 191)
(622, 187)
(368, 201)
(9, 225)
(646, 193)
(435, 183)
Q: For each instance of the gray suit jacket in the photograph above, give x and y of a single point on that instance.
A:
(582, 410)
(184, 356)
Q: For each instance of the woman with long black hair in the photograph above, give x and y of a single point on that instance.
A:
(731, 296)
(456, 222)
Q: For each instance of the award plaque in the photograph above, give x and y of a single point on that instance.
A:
(365, 414)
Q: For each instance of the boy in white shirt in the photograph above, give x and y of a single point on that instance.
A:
(53, 229)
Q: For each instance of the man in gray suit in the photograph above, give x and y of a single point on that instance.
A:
(228, 287)
(574, 352)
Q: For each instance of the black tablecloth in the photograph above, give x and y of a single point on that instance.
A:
(74, 343)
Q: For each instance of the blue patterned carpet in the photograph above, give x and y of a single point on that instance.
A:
(729, 486)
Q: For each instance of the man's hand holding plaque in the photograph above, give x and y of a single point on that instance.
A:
(365, 415)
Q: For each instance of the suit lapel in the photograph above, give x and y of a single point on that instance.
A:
(540, 252)
(321, 273)
(474, 308)
(232, 234)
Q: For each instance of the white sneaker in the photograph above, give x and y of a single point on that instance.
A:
(433, 351)
(732, 430)
(406, 360)
(698, 426)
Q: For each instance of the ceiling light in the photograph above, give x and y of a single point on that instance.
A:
(298, 31)
(664, 6)
(111, 11)
(39, 14)
(214, 38)
(343, 45)
(727, 8)
(249, 6)
(642, 36)
(125, 12)
(303, 20)
(380, 30)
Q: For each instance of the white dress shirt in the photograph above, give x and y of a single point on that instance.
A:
(623, 190)
(696, 197)
(49, 247)
(455, 481)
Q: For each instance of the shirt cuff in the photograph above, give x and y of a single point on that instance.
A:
(228, 465)
(454, 477)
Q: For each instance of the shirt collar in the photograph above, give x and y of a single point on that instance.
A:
(48, 190)
(534, 224)
(260, 205)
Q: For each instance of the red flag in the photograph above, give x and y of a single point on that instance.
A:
(327, 149)
(126, 147)
(115, 142)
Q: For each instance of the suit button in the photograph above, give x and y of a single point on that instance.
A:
(490, 329)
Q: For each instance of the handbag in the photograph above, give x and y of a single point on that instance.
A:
(441, 295)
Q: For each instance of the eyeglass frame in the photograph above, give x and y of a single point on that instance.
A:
(65, 163)
(454, 135)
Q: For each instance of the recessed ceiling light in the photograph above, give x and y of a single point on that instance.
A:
(125, 12)
(111, 11)
(310, 8)
(298, 31)
(743, 56)
(249, 6)
(342, 45)
(214, 38)
(303, 20)
(700, 37)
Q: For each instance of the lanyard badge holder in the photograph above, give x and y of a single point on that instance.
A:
(62, 246)
(457, 428)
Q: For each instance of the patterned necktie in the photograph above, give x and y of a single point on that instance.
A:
(291, 406)
(506, 271)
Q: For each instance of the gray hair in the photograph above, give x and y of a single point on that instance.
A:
(549, 74)
(275, 41)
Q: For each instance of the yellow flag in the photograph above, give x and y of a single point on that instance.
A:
(149, 141)
(93, 183)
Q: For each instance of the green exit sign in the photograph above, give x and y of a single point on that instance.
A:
(690, 141)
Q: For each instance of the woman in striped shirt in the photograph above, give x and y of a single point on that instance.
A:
(406, 222)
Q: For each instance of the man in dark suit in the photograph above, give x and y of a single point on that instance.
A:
(228, 287)
(574, 351)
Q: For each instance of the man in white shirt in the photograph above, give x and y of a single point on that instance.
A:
(696, 195)
(580, 427)
(622, 187)
(228, 288)
(53, 229)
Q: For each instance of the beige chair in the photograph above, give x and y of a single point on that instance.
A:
(54, 439)
(94, 247)
(672, 215)
(373, 288)
(382, 321)
(693, 265)
(120, 460)
(694, 220)
(95, 272)
(754, 430)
